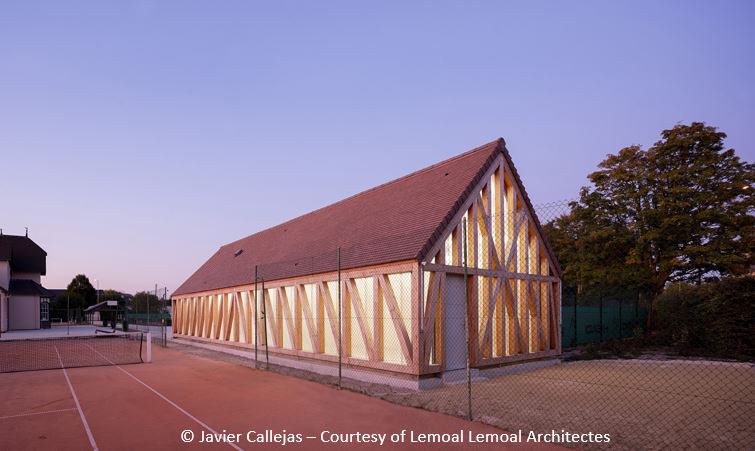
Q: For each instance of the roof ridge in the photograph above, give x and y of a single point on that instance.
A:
(495, 143)
(500, 145)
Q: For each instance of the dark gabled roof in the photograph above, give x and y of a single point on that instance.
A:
(56, 292)
(23, 287)
(399, 220)
(103, 307)
(23, 254)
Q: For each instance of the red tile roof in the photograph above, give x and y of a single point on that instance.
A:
(399, 220)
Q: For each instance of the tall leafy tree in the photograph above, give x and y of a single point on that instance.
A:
(111, 295)
(681, 210)
(144, 301)
(81, 290)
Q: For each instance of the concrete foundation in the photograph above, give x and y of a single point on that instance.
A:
(396, 380)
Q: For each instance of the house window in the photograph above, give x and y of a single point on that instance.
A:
(44, 310)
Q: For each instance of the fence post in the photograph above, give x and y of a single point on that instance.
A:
(600, 296)
(466, 322)
(264, 324)
(162, 313)
(148, 306)
(636, 309)
(576, 295)
(340, 322)
(256, 319)
(620, 323)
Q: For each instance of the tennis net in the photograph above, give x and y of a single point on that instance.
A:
(70, 352)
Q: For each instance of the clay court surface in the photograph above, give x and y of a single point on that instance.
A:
(147, 406)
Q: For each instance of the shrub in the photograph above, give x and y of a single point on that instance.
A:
(714, 318)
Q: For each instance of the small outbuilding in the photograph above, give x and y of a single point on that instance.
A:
(416, 264)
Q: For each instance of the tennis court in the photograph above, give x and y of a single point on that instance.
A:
(147, 406)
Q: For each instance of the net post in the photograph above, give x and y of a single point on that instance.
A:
(148, 340)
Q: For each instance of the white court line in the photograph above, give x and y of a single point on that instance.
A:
(37, 413)
(78, 406)
(165, 398)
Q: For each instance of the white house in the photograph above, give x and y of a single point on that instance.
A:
(24, 302)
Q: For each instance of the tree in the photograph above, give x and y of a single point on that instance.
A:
(82, 293)
(143, 300)
(111, 295)
(593, 258)
(679, 211)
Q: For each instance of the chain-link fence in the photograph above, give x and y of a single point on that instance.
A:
(150, 311)
(480, 329)
(598, 313)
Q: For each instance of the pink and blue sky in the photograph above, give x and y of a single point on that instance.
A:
(137, 137)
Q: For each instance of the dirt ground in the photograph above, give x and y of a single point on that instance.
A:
(641, 403)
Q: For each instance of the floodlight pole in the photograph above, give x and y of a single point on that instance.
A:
(68, 314)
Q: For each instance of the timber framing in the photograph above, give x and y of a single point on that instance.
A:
(393, 313)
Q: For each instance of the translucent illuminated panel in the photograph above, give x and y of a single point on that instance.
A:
(271, 304)
(498, 325)
(245, 320)
(217, 301)
(204, 331)
(481, 245)
(221, 299)
(465, 247)
(288, 313)
(430, 278)
(232, 317)
(545, 307)
(229, 314)
(309, 317)
(364, 288)
(402, 290)
(254, 315)
(522, 249)
(217, 323)
(495, 211)
(331, 341)
(448, 249)
(425, 287)
(482, 299)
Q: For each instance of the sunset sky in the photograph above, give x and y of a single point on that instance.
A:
(137, 137)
